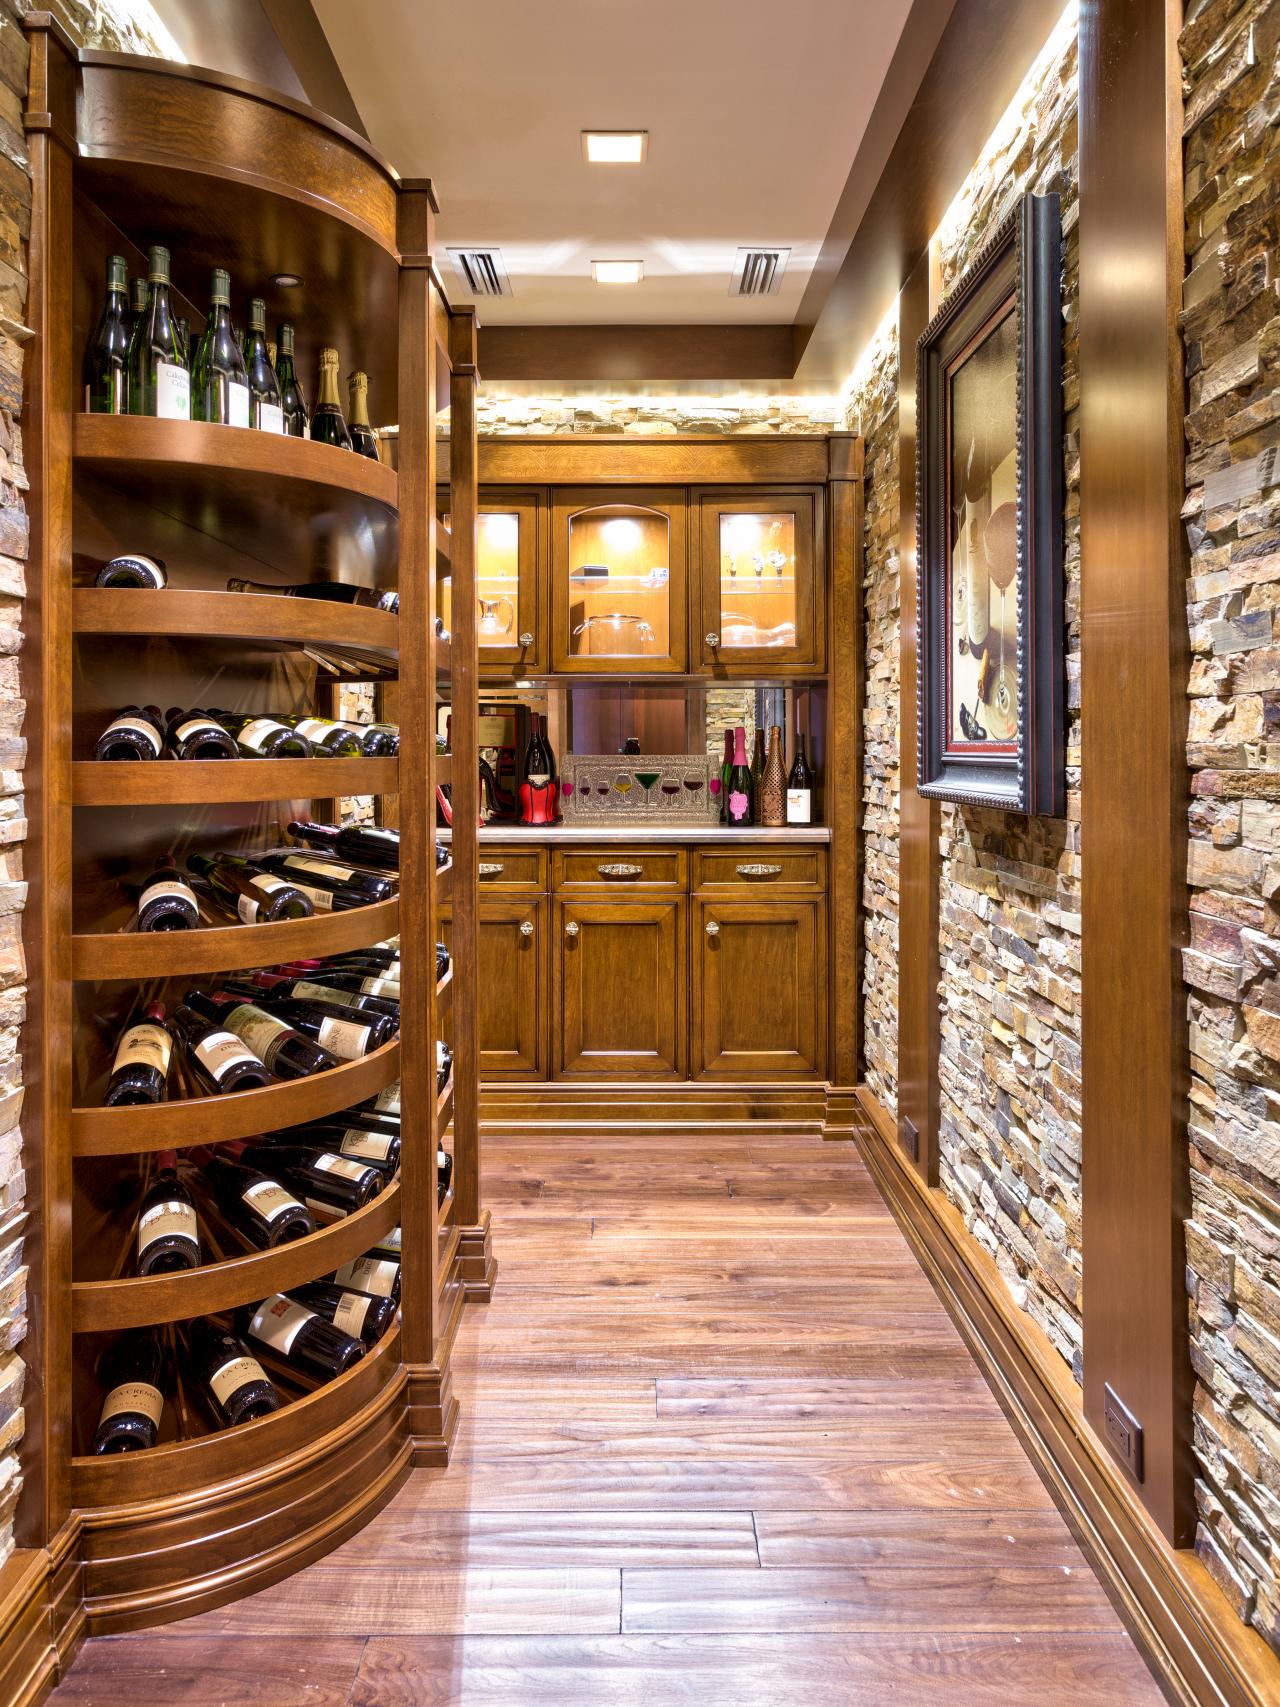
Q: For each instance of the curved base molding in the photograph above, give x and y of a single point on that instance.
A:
(477, 1267)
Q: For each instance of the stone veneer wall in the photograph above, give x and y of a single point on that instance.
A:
(653, 417)
(1231, 325)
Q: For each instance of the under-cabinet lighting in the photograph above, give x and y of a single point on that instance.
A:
(286, 281)
(617, 272)
(615, 147)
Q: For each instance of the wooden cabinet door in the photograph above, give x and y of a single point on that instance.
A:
(619, 989)
(510, 981)
(759, 989)
(618, 588)
(761, 582)
(511, 549)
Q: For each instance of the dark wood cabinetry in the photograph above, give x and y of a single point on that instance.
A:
(512, 532)
(618, 995)
(618, 587)
(511, 975)
(758, 582)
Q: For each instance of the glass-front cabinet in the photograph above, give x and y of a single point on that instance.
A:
(510, 635)
(618, 581)
(759, 580)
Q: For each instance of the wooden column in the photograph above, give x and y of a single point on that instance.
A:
(844, 752)
(1134, 677)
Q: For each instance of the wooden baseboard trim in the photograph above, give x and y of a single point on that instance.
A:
(477, 1265)
(1198, 1650)
(582, 1107)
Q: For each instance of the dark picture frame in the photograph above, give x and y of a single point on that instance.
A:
(990, 680)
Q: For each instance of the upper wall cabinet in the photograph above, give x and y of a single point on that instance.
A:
(618, 589)
(759, 581)
(510, 553)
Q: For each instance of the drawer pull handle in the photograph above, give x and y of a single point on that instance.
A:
(526, 641)
(620, 870)
(490, 868)
(759, 871)
(526, 927)
(713, 929)
(571, 929)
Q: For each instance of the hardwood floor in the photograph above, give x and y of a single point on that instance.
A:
(720, 1445)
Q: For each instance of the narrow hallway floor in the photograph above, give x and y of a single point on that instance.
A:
(720, 1444)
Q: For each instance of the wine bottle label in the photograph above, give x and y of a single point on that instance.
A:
(258, 731)
(389, 1100)
(375, 1145)
(390, 1242)
(144, 1045)
(226, 1381)
(331, 1164)
(350, 1313)
(237, 404)
(270, 418)
(257, 1030)
(374, 1275)
(197, 726)
(798, 806)
(135, 1399)
(314, 728)
(739, 806)
(321, 899)
(278, 1322)
(319, 868)
(538, 779)
(140, 726)
(170, 1219)
(220, 1051)
(344, 1038)
(173, 392)
(167, 888)
(247, 906)
(268, 1199)
(381, 987)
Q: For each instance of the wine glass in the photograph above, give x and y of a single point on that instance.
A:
(646, 779)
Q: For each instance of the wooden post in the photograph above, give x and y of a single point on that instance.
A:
(844, 752)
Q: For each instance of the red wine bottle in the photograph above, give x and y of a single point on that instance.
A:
(356, 980)
(166, 901)
(196, 735)
(379, 1277)
(130, 1372)
(135, 733)
(341, 884)
(328, 1183)
(348, 1035)
(334, 991)
(362, 844)
(255, 897)
(235, 1382)
(329, 592)
(284, 1051)
(379, 1150)
(168, 1237)
(356, 1313)
(253, 1202)
(800, 788)
(305, 1340)
(388, 1247)
(140, 1070)
(217, 1057)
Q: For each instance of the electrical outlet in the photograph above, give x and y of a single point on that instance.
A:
(1124, 1431)
(909, 1138)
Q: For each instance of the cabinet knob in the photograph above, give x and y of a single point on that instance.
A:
(713, 640)
(713, 929)
(571, 929)
(526, 927)
(526, 640)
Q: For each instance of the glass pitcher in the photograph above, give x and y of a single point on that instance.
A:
(491, 626)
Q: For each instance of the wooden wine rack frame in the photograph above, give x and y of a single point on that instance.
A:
(126, 151)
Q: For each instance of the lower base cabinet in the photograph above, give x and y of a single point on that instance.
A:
(759, 989)
(618, 993)
(511, 978)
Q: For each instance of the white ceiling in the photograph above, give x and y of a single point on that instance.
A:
(754, 109)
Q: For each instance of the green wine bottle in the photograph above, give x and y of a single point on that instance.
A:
(327, 423)
(106, 361)
(265, 411)
(139, 296)
(159, 383)
(220, 385)
(292, 402)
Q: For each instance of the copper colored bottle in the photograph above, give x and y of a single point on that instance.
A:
(773, 787)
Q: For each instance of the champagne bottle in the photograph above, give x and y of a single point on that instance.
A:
(265, 409)
(140, 1070)
(260, 737)
(379, 1277)
(327, 1183)
(166, 901)
(282, 1049)
(771, 802)
(740, 781)
(328, 592)
(196, 735)
(356, 1313)
(220, 1061)
(362, 844)
(136, 733)
(132, 570)
(255, 897)
(340, 885)
(168, 1236)
(327, 423)
(254, 1203)
(329, 740)
(726, 771)
(159, 383)
(363, 438)
(292, 403)
(106, 360)
(304, 1339)
(220, 385)
(757, 775)
(236, 1383)
(800, 788)
(130, 1373)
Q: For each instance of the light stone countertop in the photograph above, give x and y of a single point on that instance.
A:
(545, 835)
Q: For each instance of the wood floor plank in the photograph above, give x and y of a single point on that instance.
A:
(402, 1535)
(189, 1670)
(898, 1538)
(833, 1400)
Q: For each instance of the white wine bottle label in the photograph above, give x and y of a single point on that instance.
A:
(375, 1145)
(144, 1045)
(258, 731)
(315, 728)
(350, 1313)
(227, 1381)
(375, 1275)
(269, 1199)
(173, 392)
(220, 1051)
(798, 806)
(390, 1242)
(247, 906)
(305, 989)
(344, 1038)
(197, 726)
(134, 1398)
(171, 887)
(331, 1164)
(321, 899)
(318, 867)
(389, 1100)
(140, 726)
(381, 987)
(166, 1220)
(237, 405)
(271, 418)
(255, 1029)
(278, 1322)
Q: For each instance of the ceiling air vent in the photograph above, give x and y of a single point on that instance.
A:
(482, 271)
(758, 272)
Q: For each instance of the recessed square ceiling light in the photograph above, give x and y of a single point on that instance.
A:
(615, 147)
(617, 272)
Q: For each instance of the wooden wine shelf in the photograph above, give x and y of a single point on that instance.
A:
(171, 782)
(239, 1114)
(106, 1306)
(444, 994)
(139, 955)
(444, 1109)
(444, 881)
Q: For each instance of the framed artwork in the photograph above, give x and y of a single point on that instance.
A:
(990, 670)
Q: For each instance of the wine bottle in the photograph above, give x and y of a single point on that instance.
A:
(444, 1174)
(254, 1203)
(327, 1183)
(444, 1064)
(384, 962)
(159, 383)
(328, 592)
(166, 901)
(329, 740)
(255, 897)
(292, 403)
(132, 570)
(771, 801)
(379, 1277)
(314, 987)
(537, 762)
(130, 1373)
(757, 775)
(217, 1057)
(327, 423)
(305, 1340)
(236, 1383)
(196, 735)
(390, 733)
(726, 771)
(340, 885)
(259, 737)
(370, 740)
(168, 1236)
(800, 788)
(387, 1101)
(282, 1049)
(106, 360)
(137, 733)
(140, 1070)
(357, 980)
(139, 296)
(265, 409)
(362, 844)
(356, 1313)
(184, 338)
(740, 792)
(346, 1032)
(220, 385)
(379, 1150)
(363, 438)
(387, 1248)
